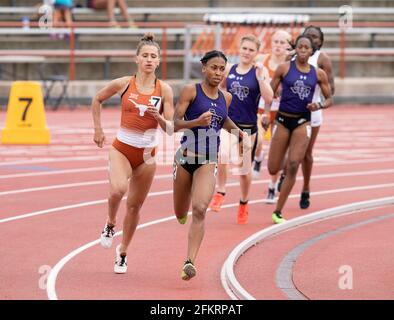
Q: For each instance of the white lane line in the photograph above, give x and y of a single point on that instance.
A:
(166, 176)
(48, 160)
(78, 205)
(83, 204)
(51, 282)
(66, 171)
(230, 281)
(44, 173)
(70, 185)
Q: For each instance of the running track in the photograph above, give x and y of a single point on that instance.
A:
(53, 207)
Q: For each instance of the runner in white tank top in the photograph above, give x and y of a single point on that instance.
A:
(320, 60)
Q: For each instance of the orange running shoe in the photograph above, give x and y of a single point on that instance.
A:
(216, 202)
(242, 215)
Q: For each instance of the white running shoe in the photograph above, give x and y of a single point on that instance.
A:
(107, 236)
(270, 196)
(120, 262)
(256, 169)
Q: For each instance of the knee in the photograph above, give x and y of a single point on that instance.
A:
(133, 207)
(292, 168)
(272, 171)
(272, 168)
(117, 192)
(199, 210)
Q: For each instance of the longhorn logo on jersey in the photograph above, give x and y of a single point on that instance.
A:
(154, 101)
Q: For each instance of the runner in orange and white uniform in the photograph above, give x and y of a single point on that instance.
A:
(137, 134)
(279, 53)
(146, 104)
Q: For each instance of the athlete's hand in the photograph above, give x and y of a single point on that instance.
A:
(265, 122)
(99, 137)
(262, 72)
(205, 119)
(154, 112)
(312, 106)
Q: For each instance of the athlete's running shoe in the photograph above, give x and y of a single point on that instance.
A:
(120, 261)
(270, 196)
(107, 236)
(183, 219)
(188, 271)
(216, 202)
(304, 201)
(256, 169)
(277, 217)
(280, 182)
(243, 213)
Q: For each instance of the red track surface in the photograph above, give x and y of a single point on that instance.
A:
(357, 141)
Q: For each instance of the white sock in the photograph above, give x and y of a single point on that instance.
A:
(260, 157)
(271, 185)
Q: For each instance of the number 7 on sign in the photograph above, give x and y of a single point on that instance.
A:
(155, 101)
(29, 101)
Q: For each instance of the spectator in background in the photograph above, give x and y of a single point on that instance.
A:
(62, 12)
(110, 5)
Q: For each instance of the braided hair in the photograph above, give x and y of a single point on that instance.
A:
(212, 54)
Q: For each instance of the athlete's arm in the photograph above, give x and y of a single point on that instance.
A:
(186, 96)
(325, 64)
(278, 76)
(228, 124)
(325, 88)
(222, 84)
(265, 88)
(112, 88)
(165, 119)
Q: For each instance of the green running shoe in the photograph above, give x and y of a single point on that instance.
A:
(183, 219)
(277, 217)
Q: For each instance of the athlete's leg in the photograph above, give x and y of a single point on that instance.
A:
(259, 153)
(299, 141)
(119, 173)
(182, 191)
(140, 183)
(202, 190)
(224, 160)
(246, 177)
(279, 143)
(307, 162)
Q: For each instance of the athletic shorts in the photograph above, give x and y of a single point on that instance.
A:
(292, 123)
(192, 163)
(316, 118)
(136, 156)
